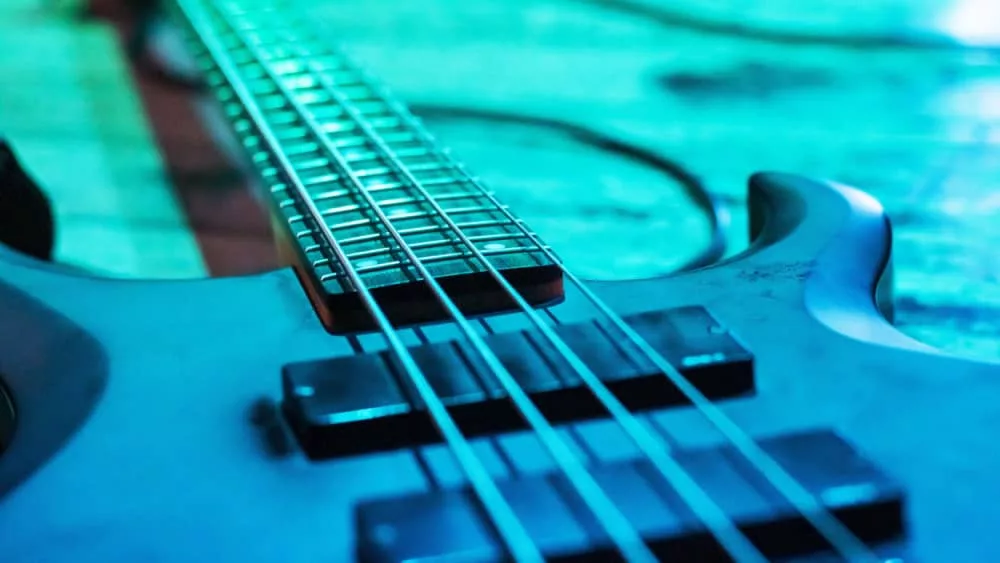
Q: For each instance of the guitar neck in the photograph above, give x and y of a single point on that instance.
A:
(331, 146)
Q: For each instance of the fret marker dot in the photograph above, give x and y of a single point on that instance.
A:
(367, 263)
(494, 246)
(399, 211)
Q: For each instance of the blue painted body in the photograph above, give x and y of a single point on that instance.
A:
(135, 440)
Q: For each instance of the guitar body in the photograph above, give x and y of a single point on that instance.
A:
(144, 433)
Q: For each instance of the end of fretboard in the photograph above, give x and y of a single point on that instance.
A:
(359, 191)
(412, 303)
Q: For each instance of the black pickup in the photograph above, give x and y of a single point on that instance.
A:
(450, 525)
(364, 403)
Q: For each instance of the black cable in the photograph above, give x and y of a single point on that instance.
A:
(692, 185)
(670, 17)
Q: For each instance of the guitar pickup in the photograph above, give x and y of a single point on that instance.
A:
(364, 403)
(443, 525)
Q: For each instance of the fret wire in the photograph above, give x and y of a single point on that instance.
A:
(349, 143)
(435, 243)
(398, 201)
(416, 152)
(407, 232)
(402, 216)
(399, 185)
(310, 164)
(318, 180)
(340, 209)
(427, 167)
(372, 172)
(302, 148)
(330, 195)
(435, 259)
(396, 187)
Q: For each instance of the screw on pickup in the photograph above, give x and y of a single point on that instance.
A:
(364, 403)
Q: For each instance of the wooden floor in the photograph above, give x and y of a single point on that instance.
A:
(719, 91)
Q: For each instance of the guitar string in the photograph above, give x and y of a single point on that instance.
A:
(578, 476)
(636, 430)
(619, 529)
(816, 514)
(714, 518)
(654, 448)
(836, 534)
(729, 536)
(515, 537)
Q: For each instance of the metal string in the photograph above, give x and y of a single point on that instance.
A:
(515, 537)
(730, 536)
(619, 529)
(833, 531)
(718, 523)
(822, 520)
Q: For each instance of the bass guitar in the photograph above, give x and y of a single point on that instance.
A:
(427, 381)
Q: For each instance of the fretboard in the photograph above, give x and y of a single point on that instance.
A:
(317, 128)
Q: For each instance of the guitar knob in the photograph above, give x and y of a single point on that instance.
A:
(26, 221)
